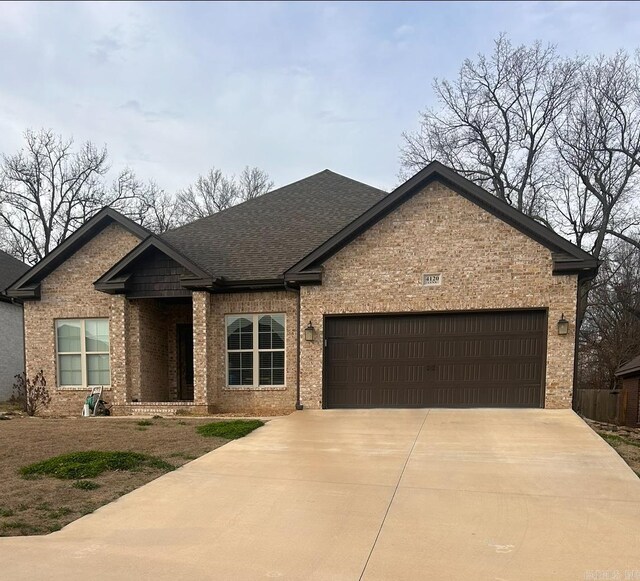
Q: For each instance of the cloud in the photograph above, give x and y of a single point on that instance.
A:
(134, 106)
(174, 88)
(107, 46)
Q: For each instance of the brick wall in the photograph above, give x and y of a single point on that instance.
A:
(152, 334)
(68, 293)
(485, 264)
(250, 400)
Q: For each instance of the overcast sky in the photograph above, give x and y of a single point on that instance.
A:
(175, 88)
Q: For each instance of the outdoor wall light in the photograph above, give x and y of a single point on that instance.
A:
(563, 326)
(309, 332)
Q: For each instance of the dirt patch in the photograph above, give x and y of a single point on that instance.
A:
(625, 441)
(43, 505)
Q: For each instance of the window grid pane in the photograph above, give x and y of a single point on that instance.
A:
(96, 336)
(271, 367)
(240, 365)
(267, 353)
(98, 370)
(69, 336)
(70, 369)
(239, 333)
(83, 352)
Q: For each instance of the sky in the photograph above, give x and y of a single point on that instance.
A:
(173, 89)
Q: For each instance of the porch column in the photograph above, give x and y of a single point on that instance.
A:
(118, 327)
(201, 312)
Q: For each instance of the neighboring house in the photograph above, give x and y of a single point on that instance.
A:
(629, 397)
(324, 293)
(11, 328)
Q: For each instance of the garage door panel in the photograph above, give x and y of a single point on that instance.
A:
(452, 360)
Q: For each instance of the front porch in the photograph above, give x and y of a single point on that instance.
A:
(157, 357)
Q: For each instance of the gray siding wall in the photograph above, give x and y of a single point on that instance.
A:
(11, 347)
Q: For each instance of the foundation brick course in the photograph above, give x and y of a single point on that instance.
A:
(485, 264)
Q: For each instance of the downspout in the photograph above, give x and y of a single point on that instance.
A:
(299, 405)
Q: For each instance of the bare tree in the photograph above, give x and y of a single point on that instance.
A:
(610, 334)
(598, 142)
(593, 196)
(145, 202)
(494, 123)
(210, 193)
(215, 192)
(559, 139)
(253, 182)
(49, 189)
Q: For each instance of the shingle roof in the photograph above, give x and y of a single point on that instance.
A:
(262, 238)
(629, 367)
(10, 269)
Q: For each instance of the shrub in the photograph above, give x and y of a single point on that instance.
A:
(78, 465)
(145, 423)
(31, 392)
(231, 430)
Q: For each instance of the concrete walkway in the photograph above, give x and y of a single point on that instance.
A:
(375, 495)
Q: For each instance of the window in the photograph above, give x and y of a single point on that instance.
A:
(255, 350)
(82, 347)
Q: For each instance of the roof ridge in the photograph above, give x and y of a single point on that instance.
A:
(269, 193)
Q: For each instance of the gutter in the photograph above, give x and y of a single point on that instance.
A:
(290, 288)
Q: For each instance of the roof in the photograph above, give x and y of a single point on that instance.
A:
(262, 238)
(28, 285)
(285, 235)
(10, 269)
(567, 257)
(629, 368)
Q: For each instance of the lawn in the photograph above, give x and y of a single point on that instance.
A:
(71, 467)
(625, 441)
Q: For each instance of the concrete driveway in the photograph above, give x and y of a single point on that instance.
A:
(375, 495)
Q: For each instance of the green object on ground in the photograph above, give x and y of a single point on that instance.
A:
(230, 430)
(78, 465)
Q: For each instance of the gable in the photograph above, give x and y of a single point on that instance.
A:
(567, 258)
(439, 232)
(153, 269)
(27, 287)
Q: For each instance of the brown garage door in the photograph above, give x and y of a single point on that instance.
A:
(487, 359)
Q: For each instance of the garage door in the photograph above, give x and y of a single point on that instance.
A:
(487, 359)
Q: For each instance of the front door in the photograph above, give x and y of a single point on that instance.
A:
(185, 361)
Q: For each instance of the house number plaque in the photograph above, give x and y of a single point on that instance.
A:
(432, 279)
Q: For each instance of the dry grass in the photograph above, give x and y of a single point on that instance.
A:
(625, 441)
(43, 505)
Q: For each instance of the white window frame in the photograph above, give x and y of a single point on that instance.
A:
(83, 352)
(255, 318)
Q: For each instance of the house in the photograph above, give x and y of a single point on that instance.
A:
(11, 335)
(325, 293)
(629, 397)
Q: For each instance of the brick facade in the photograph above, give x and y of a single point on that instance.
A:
(485, 264)
(68, 293)
(251, 400)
